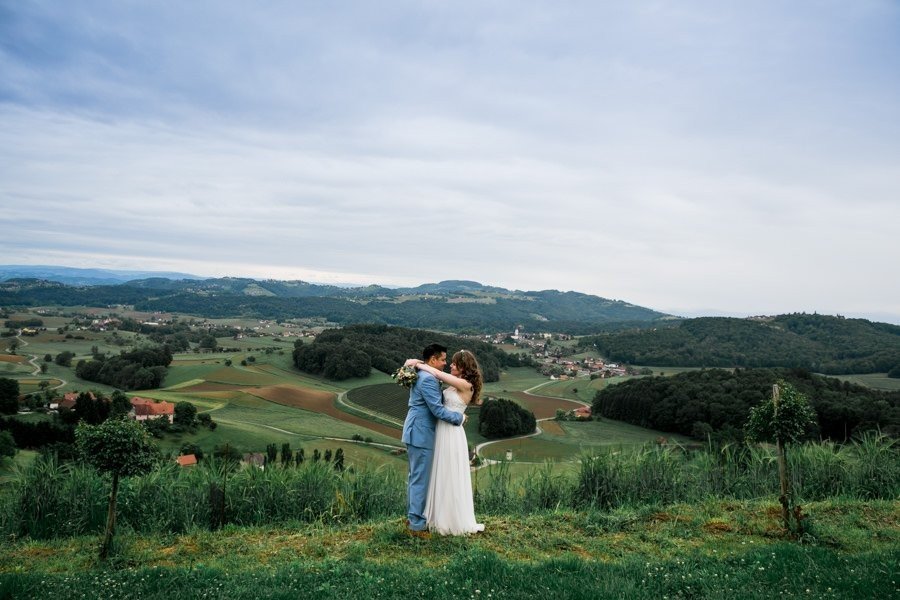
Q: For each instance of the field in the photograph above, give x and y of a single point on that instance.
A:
(388, 399)
(567, 440)
(267, 400)
(878, 381)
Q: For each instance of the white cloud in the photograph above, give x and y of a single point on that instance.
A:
(681, 155)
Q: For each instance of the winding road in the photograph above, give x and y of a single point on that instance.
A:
(37, 368)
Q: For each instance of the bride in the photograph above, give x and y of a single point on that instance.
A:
(449, 508)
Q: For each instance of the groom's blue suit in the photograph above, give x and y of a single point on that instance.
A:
(425, 407)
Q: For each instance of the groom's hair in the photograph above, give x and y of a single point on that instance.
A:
(432, 350)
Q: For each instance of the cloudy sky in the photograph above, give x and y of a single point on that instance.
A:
(690, 156)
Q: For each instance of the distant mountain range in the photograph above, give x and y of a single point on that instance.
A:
(73, 276)
(448, 305)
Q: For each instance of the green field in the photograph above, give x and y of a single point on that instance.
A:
(388, 399)
(515, 379)
(878, 381)
(567, 440)
(251, 422)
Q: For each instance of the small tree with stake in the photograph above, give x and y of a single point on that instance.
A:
(120, 447)
(785, 419)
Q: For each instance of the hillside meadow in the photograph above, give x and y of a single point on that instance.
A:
(707, 550)
(598, 509)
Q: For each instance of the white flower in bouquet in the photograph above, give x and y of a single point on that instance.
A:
(405, 376)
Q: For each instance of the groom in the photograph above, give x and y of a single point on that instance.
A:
(425, 407)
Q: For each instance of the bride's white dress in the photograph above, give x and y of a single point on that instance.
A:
(449, 508)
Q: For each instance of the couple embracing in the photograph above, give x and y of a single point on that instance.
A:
(440, 484)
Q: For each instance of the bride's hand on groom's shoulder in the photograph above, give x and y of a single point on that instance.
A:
(411, 362)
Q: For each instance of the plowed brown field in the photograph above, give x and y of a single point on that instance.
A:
(317, 401)
(552, 427)
(11, 358)
(544, 407)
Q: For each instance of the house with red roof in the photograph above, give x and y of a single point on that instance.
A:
(143, 409)
(68, 400)
(186, 460)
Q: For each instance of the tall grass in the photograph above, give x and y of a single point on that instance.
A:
(50, 499)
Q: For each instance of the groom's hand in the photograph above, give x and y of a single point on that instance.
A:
(464, 420)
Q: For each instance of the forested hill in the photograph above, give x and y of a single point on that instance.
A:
(717, 401)
(462, 306)
(353, 351)
(819, 343)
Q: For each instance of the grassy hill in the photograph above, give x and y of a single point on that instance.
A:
(713, 549)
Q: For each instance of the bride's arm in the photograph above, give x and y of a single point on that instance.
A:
(458, 382)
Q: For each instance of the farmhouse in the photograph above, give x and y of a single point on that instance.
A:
(143, 409)
(68, 401)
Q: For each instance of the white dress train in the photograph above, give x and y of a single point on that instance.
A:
(449, 508)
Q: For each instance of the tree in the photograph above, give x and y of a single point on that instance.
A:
(271, 454)
(43, 368)
(64, 359)
(7, 445)
(205, 420)
(500, 418)
(119, 405)
(287, 455)
(784, 419)
(156, 427)
(9, 396)
(208, 342)
(121, 448)
(185, 414)
(13, 346)
(48, 358)
(339, 459)
(894, 373)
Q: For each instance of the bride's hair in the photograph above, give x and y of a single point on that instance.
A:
(470, 371)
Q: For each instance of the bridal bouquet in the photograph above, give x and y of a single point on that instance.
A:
(405, 376)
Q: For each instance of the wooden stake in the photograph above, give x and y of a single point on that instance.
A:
(782, 465)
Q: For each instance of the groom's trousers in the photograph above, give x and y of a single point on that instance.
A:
(417, 485)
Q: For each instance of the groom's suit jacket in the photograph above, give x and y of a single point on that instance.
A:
(425, 408)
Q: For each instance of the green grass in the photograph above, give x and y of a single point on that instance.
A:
(177, 374)
(15, 370)
(532, 450)
(706, 550)
(515, 380)
(22, 459)
(607, 432)
(578, 436)
(878, 381)
(250, 423)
